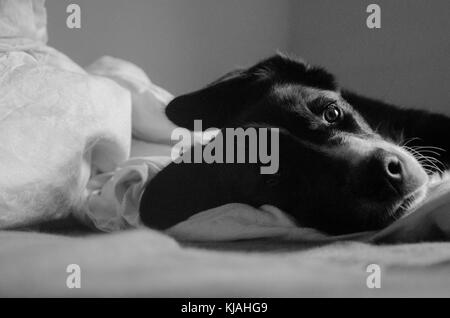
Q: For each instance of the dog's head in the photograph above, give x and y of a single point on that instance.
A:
(335, 173)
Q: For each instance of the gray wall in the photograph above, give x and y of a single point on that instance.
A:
(184, 44)
(406, 61)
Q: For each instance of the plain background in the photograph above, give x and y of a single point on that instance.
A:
(184, 44)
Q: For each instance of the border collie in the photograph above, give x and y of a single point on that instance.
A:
(347, 163)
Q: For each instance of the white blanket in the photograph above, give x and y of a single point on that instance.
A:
(56, 121)
(60, 125)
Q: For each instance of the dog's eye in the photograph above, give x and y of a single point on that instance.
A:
(332, 114)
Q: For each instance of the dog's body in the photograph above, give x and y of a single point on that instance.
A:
(341, 168)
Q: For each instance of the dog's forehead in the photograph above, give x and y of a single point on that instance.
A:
(310, 94)
(299, 94)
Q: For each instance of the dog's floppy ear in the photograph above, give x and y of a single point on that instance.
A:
(219, 102)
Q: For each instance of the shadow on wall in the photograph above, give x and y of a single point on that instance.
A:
(183, 45)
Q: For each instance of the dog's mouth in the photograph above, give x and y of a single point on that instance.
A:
(408, 204)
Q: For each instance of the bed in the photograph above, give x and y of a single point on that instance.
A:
(143, 263)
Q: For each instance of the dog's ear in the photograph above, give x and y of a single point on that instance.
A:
(218, 103)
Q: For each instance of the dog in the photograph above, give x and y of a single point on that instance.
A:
(347, 163)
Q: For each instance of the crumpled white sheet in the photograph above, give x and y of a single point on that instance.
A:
(113, 200)
(56, 121)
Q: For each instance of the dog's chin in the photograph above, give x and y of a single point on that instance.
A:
(380, 215)
(408, 204)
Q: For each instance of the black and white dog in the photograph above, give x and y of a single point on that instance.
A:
(343, 163)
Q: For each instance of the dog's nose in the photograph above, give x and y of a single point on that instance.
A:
(393, 167)
(393, 170)
(399, 169)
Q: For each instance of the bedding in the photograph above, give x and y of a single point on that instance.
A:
(58, 123)
(144, 263)
(66, 146)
